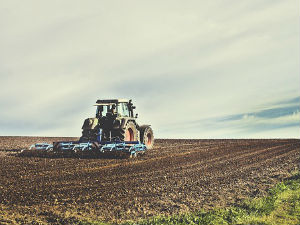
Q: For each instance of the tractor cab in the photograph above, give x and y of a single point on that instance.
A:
(114, 107)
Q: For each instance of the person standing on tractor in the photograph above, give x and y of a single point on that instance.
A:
(130, 108)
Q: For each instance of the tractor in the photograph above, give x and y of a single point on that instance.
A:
(115, 120)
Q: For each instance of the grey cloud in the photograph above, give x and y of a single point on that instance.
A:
(291, 101)
(277, 112)
(268, 113)
(263, 120)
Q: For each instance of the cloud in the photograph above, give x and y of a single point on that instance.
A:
(180, 62)
(273, 113)
(275, 118)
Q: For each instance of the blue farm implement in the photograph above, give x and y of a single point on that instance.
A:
(75, 148)
(130, 148)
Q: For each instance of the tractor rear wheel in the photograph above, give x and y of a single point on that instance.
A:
(147, 137)
(129, 133)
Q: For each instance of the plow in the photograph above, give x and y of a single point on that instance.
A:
(114, 131)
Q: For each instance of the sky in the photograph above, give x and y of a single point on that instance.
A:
(194, 69)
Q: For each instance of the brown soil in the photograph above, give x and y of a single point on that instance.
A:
(176, 176)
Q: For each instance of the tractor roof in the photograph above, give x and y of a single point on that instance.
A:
(110, 101)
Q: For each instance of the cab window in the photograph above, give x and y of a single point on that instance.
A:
(102, 110)
(122, 109)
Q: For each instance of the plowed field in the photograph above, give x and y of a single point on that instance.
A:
(176, 176)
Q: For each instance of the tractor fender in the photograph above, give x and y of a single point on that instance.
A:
(125, 121)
